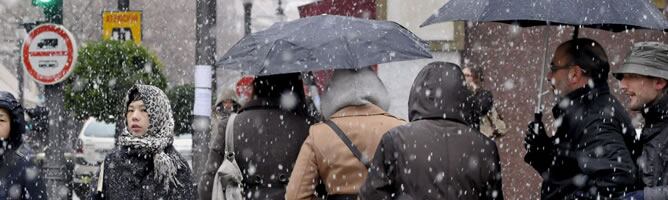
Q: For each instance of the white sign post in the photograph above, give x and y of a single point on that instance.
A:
(202, 105)
(48, 53)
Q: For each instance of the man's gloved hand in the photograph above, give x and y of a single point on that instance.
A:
(536, 138)
(637, 195)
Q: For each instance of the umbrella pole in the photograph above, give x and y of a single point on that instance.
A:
(539, 103)
(576, 32)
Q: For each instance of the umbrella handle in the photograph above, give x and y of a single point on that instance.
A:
(539, 97)
(538, 117)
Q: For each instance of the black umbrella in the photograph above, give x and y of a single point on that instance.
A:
(323, 42)
(611, 15)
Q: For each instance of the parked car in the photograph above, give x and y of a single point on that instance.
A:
(184, 145)
(95, 141)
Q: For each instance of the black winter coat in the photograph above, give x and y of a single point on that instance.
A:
(268, 137)
(267, 143)
(130, 175)
(482, 102)
(19, 177)
(652, 162)
(436, 155)
(589, 156)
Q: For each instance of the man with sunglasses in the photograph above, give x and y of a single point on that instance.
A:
(588, 157)
(643, 78)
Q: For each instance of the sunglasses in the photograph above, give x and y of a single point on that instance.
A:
(554, 68)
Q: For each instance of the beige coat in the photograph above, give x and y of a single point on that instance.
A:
(324, 156)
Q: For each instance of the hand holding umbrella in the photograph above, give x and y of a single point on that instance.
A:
(606, 15)
(537, 138)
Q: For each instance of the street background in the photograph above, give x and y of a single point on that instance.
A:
(511, 55)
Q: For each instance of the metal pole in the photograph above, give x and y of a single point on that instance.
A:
(57, 173)
(248, 5)
(56, 167)
(19, 70)
(205, 50)
(279, 10)
(123, 5)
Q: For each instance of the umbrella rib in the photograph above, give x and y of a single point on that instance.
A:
(349, 51)
(266, 56)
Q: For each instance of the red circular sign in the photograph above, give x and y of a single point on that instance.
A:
(49, 52)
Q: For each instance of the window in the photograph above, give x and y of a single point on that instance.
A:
(99, 129)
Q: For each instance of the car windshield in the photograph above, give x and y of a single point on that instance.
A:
(99, 129)
(184, 136)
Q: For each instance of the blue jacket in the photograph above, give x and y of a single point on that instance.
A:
(19, 178)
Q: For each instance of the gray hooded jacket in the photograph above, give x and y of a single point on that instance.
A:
(436, 155)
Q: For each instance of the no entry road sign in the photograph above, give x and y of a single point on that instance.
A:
(48, 53)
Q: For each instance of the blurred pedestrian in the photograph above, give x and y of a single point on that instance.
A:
(268, 132)
(226, 104)
(590, 155)
(644, 79)
(355, 101)
(482, 100)
(485, 116)
(145, 164)
(19, 177)
(437, 155)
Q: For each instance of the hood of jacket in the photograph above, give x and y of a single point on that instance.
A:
(160, 133)
(353, 88)
(227, 92)
(158, 137)
(17, 124)
(439, 92)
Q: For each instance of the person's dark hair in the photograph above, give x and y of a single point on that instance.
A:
(590, 56)
(134, 96)
(477, 74)
(272, 87)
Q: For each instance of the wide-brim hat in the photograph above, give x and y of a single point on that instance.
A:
(647, 59)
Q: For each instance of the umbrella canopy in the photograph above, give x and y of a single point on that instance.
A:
(612, 15)
(323, 42)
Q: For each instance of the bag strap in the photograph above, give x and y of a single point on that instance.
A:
(490, 117)
(229, 137)
(100, 178)
(494, 114)
(349, 143)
